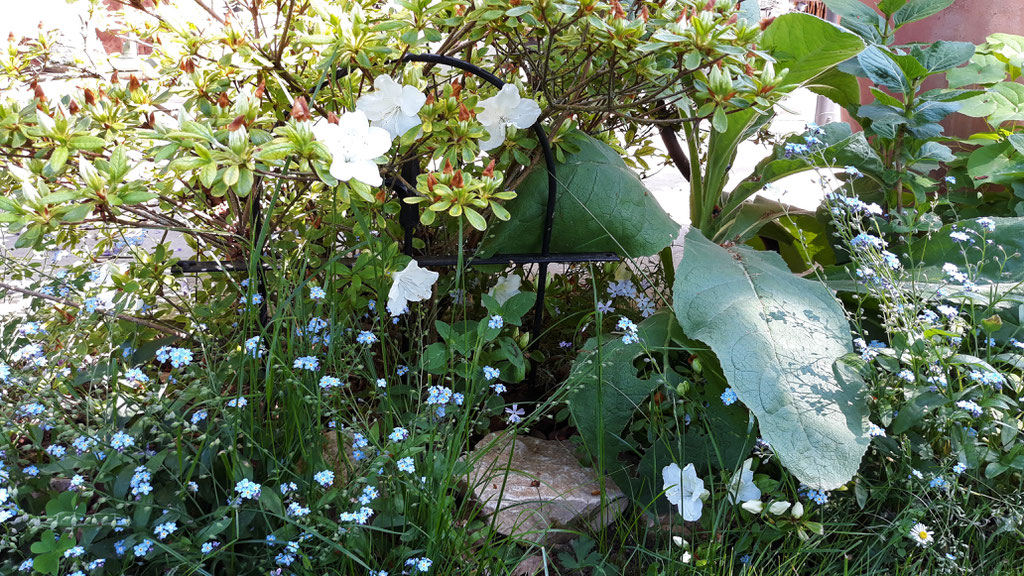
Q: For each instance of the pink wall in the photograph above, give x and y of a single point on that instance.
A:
(965, 21)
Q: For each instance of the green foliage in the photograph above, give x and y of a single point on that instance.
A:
(602, 206)
(915, 10)
(1002, 262)
(780, 340)
(839, 145)
(808, 47)
(858, 17)
(808, 50)
(605, 389)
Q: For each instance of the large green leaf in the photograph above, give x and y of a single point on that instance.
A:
(1003, 102)
(746, 220)
(1004, 257)
(888, 7)
(983, 69)
(838, 86)
(858, 17)
(808, 46)
(602, 206)
(883, 70)
(941, 56)
(605, 390)
(779, 339)
(998, 163)
(916, 10)
(1008, 47)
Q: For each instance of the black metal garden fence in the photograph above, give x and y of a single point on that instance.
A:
(408, 217)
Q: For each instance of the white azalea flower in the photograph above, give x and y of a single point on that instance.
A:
(505, 288)
(779, 508)
(410, 285)
(28, 189)
(741, 487)
(685, 489)
(46, 122)
(392, 106)
(353, 145)
(506, 109)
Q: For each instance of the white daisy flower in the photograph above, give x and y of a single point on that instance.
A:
(922, 535)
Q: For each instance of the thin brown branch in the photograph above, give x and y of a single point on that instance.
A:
(209, 10)
(140, 321)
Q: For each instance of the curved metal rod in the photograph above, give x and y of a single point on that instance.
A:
(549, 160)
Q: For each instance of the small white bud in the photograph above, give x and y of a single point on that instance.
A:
(753, 506)
(798, 510)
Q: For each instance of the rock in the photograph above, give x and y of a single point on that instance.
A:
(529, 566)
(541, 487)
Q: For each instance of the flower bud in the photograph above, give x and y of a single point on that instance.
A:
(992, 324)
(89, 174)
(300, 110)
(683, 387)
(779, 508)
(753, 506)
(798, 510)
(237, 139)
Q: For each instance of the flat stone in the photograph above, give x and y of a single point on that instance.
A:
(532, 485)
(529, 566)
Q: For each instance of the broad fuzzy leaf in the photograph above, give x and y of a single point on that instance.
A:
(779, 339)
(603, 397)
(1008, 238)
(1003, 102)
(602, 206)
